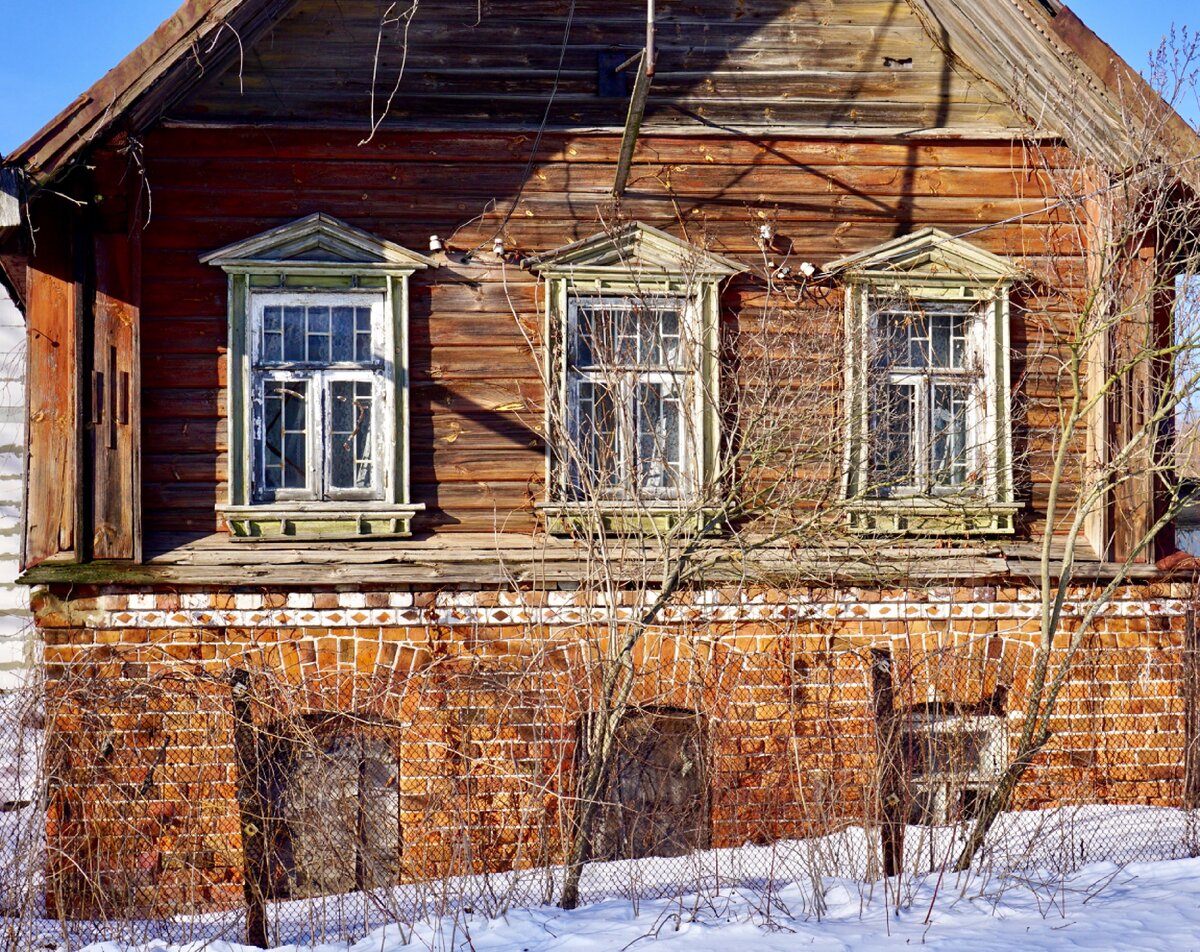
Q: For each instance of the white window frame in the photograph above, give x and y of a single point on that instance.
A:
(981, 413)
(685, 380)
(320, 377)
(933, 795)
(986, 506)
(633, 260)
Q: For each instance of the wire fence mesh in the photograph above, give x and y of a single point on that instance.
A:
(193, 801)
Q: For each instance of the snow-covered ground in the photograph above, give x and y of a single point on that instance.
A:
(1138, 908)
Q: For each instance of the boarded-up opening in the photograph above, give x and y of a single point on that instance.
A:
(656, 800)
(331, 799)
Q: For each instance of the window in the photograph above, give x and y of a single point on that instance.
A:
(927, 397)
(632, 398)
(321, 389)
(331, 804)
(632, 324)
(318, 402)
(951, 762)
(656, 797)
(927, 382)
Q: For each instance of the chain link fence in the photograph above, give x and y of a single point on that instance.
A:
(190, 802)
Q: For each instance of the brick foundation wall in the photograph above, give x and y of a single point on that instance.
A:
(483, 692)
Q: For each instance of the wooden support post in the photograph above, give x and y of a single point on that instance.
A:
(891, 784)
(250, 808)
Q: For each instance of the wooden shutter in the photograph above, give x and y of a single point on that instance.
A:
(113, 400)
(52, 311)
(1143, 330)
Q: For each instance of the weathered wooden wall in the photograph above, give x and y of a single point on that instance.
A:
(478, 460)
(816, 63)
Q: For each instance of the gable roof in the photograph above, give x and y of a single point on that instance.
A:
(201, 35)
(634, 249)
(1032, 50)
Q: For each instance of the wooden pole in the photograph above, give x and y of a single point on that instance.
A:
(254, 872)
(887, 723)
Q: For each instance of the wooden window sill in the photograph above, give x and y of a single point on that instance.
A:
(931, 516)
(615, 518)
(322, 521)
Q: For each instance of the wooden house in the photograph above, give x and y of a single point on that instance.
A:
(315, 305)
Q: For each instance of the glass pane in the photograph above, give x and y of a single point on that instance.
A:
(272, 343)
(352, 457)
(284, 450)
(293, 334)
(892, 447)
(584, 351)
(670, 351)
(599, 434)
(949, 426)
(659, 439)
(897, 340)
(364, 351)
(318, 335)
(343, 335)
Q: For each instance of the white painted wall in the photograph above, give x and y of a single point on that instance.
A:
(16, 645)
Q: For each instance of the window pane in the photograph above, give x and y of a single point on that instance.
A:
(659, 440)
(893, 460)
(318, 335)
(284, 450)
(272, 342)
(950, 410)
(343, 335)
(671, 353)
(364, 351)
(599, 433)
(897, 340)
(293, 334)
(352, 457)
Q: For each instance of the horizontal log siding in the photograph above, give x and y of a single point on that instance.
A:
(821, 63)
(478, 458)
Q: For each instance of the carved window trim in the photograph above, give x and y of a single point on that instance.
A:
(931, 268)
(318, 259)
(635, 263)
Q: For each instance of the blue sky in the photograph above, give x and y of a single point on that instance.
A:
(52, 50)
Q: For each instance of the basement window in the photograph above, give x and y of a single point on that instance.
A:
(656, 800)
(332, 805)
(951, 762)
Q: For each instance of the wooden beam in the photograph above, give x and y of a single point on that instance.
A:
(633, 125)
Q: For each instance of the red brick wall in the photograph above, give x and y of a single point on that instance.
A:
(486, 689)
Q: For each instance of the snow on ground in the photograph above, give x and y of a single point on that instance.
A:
(1086, 878)
(1143, 907)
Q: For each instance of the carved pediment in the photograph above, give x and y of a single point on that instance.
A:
(634, 249)
(318, 239)
(928, 254)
